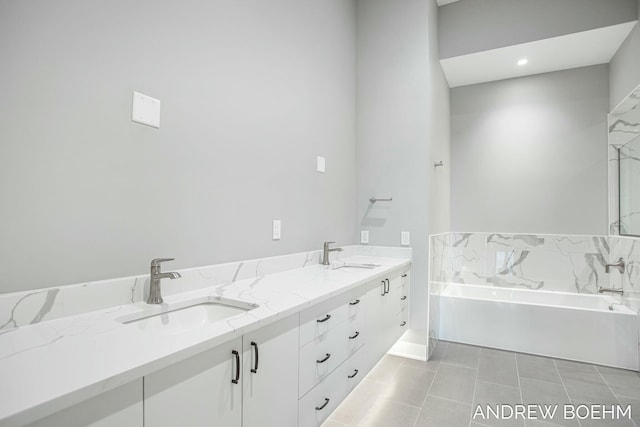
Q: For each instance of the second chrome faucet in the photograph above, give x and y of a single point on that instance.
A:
(155, 293)
(325, 252)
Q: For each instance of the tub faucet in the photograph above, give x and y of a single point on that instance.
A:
(155, 294)
(619, 265)
(325, 252)
(618, 291)
(613, 304)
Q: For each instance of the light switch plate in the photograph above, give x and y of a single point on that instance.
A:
(277, 229)
(405, 238)
(145, 110)
(364, 236)
(320, 164)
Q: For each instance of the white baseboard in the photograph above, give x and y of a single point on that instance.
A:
(409, 350)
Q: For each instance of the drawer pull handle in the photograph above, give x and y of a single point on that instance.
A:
(327, 317)
(324, 359)
(403, 323)
(388, 286)
(356, 302)
(321, 407)
(355, 336)
(384, 288)
(237, 356)
(404, 275)
(355, 372)
(255, 351)
(404, 297)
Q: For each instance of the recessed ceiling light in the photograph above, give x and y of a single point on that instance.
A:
(523, 61)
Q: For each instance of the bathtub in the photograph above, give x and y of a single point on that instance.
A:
(555, 324)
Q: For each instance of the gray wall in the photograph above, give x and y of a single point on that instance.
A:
(624, 69)
(469, 26)
(400, 98)
(440, 144)
(529, 154)
(251, 92)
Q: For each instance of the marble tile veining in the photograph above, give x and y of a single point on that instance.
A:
(536, 262)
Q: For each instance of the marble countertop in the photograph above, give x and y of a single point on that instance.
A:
(52, 365)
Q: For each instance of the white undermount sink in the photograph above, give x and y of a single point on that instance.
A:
(186, 315)
(356, 267)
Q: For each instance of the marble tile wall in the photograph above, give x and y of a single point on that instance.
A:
(627, 248)
(545, 262)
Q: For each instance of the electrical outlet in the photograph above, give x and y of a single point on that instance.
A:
(277, 229)
(364, 236)
(320, 164)
(405, 238)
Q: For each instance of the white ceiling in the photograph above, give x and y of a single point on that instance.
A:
(558, 53)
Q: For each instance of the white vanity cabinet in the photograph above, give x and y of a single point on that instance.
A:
(203, 390)
(270, 375)
(251, 381)
(119, 407)
(387, 313)
(332, 340)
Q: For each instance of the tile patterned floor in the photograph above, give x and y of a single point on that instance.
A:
(444, 391)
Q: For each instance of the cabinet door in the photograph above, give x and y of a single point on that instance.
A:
(377, 321)
(196, 392)
(270, 375)
(116, 408)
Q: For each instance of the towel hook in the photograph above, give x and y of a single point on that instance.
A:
(373, 200)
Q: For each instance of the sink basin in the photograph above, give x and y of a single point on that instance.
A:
(186, 315)
(356, 267)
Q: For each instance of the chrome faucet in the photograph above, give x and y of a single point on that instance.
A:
(325, 252)
(619, 265)
(618, 291)
(613, 304)
(155, 294)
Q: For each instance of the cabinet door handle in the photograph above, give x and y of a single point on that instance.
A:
(388, 286)
(321, 407)
(324, 319)
(324, 359)
(237, 357)
(255, 352)
(404, 297)
(404, 275)
(384, 288)
(355, 336)
(403, 323)
(356, 302)
(355, 372)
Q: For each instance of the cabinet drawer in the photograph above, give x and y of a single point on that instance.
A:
(321, 322)
(322, 400)
(400, 301)
(402, 320)
(405, 278)
(321, 356)
(356, 334)
(335, 311)
(356, 308)
(356, 368)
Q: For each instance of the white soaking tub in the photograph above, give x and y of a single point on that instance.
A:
(556, 324)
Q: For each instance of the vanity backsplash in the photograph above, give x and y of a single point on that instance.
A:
(34, 306)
